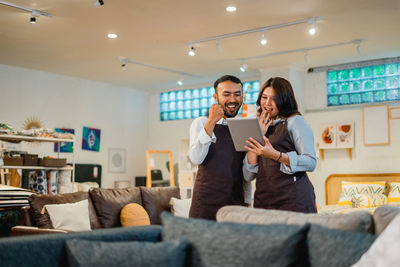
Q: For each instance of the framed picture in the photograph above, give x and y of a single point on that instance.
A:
(395, 113)
(64, 147)
(327, 135)
(376, 125)
(116, 160)
(345, 134)
(91, 139)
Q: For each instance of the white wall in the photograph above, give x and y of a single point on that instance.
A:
(61, 101)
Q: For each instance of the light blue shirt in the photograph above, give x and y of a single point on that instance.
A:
(304, 158)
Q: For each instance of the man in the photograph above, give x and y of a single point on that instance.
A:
(219, 180)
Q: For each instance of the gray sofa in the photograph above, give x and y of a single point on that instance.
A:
(198, 243)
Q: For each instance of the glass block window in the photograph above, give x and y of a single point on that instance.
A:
(367, 84)
(193, 103)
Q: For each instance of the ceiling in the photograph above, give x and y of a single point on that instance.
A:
(74, 41)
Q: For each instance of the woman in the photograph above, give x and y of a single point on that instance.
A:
(287, 154)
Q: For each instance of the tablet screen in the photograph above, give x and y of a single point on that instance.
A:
(242, 129)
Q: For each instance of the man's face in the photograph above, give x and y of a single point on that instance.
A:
(229, 96)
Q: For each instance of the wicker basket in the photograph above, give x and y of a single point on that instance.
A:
(30, 159)
(12, 161)
(50, 162)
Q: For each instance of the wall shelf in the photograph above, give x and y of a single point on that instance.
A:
(322, 152)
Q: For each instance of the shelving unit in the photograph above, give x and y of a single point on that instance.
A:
(187, 170)
(19, 138)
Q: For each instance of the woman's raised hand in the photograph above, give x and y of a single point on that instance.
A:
(264, 118)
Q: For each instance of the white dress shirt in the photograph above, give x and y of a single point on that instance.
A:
(200, 142)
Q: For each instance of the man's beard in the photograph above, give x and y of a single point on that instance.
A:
(227, 113)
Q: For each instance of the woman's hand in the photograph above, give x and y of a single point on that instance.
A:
(264, 118)
(267, 151)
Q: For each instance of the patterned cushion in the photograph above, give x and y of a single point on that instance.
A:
(350, 188)
(368, 200)
(394, 194)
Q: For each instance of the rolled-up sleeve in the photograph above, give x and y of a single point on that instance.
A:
(200, 141)
(249, 170)
(304, 158)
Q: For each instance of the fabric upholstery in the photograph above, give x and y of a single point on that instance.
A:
(385, 250)
(368, 200)
(134, 215)
(70, 216)
(394, 194)
(49, 250)
(157, 199)
(37, 202)
(121, 254)
(109, 202)
(383, 215)
(330, 247)
(228, 244)
(351, 188)
(360, 221)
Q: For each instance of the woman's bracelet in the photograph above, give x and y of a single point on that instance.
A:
(280, 155)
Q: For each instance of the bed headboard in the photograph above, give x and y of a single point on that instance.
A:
(333, 184)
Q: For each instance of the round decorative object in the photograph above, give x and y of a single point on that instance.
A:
(32, 123)
(134, 215)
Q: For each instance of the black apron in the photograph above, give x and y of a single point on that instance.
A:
(277, 190)
(219, 180)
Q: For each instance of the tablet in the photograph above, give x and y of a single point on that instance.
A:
(242, 129)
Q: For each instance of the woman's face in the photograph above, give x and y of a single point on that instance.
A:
(268, 102)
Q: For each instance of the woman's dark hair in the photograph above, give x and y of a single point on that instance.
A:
(227, 78)
(284, 98)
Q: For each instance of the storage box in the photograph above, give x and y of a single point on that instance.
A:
(12, 161)
(30, 159)
(50, 162)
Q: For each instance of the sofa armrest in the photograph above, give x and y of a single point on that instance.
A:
(31, 230)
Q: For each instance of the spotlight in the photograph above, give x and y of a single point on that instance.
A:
(313, 29)
(219, 48)
(243, 68)
(263, 40)
(99, 3)
(192, 52)
(123, 66)
(359, 49)
(179, 82)
(32, 20)
(231, 9)
(306, 57)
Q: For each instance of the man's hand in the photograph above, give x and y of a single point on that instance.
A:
(214, 115)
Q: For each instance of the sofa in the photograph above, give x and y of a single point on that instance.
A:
(104, 207)
(304, 241)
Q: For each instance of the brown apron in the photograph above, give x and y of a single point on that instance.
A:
(219, 180)
(277, 190)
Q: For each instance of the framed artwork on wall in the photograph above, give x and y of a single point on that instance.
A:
(345, 134)
(64, 147)
(395, 113)
(327, 135)
(116, 160)
(91, 139)
(376, 125)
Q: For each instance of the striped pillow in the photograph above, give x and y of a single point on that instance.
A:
(394, 194)
(351, 188)
(368, 200)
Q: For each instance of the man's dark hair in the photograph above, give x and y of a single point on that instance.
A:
(284, 99)
(227, 78)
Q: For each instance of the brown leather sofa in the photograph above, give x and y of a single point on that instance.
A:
(104, 207)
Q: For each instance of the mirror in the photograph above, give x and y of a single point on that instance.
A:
(160, 171)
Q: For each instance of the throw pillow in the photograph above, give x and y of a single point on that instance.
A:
(134, 215)
(368, 200)
(360, 221)
(157, 199)
(229, 244)
(330, 247)
(109, 202)
(351, 188)
(383, 215)
(82, 253)
(181, 207)
(70, 216)
(385, 250)
(37, 202)
(394, 194)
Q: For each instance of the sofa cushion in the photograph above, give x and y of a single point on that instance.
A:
(49, 250)
(134, 215)
(82, 253)
(157, 199)
(385, 250)
(331, 247)
(70, 216)
(109, 202)
(37, 203)
(230, 244)
(383, 215)
(360, 221)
